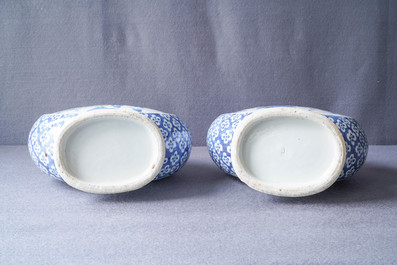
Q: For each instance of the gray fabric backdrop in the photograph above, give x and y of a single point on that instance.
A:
(198, 59)
(198, 216)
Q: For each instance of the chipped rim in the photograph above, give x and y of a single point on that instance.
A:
(136, 183)
(287, 190)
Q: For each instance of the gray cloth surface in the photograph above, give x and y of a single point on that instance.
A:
(197, 216)
(199, 59)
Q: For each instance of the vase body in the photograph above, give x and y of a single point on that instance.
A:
(175, 135)
(222, 130)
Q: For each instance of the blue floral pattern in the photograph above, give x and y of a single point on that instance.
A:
(176, 135)
(220, 135)
(219, 139)
(355, 141)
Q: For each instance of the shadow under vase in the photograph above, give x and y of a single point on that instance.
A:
(372, 183)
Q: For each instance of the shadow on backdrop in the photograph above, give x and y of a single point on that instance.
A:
(372, 183)
(194, 179)
(197, 178)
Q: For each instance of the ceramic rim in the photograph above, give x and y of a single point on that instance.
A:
(285, 189)
(137, 181)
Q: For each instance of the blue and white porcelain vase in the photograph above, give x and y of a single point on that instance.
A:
(109, 148)
(285, 150)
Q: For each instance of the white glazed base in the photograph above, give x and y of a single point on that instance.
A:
(109, 151)
(287, 151)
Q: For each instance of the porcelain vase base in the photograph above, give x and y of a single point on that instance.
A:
(288, 152)
(104, 152)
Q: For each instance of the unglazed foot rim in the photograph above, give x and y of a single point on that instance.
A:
(255, 133)
(63, 165)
